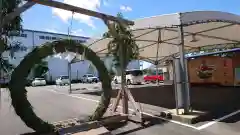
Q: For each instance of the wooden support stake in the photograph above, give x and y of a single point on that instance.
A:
(130, 98)
(116, 103)
(133, 102)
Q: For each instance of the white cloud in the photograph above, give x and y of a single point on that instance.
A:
(87, 4)
(78, 32)
(125, 8)
(105, 3)
(52, 30)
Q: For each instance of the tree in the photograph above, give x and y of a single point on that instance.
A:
(123, 49)
(40, 69)
(12, 28)
(6, 32)
(121, 37)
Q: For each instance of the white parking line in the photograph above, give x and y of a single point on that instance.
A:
(92, 100)
(172, 121)
(217, 120)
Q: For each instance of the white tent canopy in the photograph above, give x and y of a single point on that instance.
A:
(158, 36)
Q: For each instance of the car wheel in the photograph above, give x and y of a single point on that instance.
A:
(128, 82)
(115, 81)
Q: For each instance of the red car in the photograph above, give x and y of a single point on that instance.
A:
(153, 78)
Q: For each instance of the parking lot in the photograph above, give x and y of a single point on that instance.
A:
(54, 103)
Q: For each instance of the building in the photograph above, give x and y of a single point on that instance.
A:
(31, 38)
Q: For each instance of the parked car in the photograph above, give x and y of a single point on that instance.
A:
(89, 78)
(132, 77)
(153, 78)
(38, 82)
(62, 80)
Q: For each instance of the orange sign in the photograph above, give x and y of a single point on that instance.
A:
(205, 71)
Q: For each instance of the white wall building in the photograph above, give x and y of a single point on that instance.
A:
(57, 66)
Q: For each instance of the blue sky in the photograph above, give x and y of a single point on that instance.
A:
(54, 20)
(48, 19)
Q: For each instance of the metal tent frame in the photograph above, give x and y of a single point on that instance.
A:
(166, 37)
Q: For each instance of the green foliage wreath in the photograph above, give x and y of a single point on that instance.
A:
(17, 84)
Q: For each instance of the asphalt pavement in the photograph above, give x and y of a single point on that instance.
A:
(53, 103)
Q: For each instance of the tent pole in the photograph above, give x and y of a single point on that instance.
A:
(158, 44)
(175, 82)
(184, 74)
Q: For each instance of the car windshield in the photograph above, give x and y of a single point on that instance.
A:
(135, 72)
(64, 77)
(90, 76)
(39, 79)
(160, 72)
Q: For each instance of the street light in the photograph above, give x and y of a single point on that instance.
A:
(70, 56)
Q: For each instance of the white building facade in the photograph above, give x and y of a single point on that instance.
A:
(57, 66)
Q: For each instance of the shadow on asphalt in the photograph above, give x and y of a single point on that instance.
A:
(150, 121)
(219, 113)
(95, 93)
(232, 119)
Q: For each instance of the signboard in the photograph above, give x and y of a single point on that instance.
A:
(205, 71)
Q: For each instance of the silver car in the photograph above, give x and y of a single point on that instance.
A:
(63, 80)
(89, 78)
(39, 82)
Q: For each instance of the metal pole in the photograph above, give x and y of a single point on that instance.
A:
(175, 82)
(184, 75)
(139, 64)
(69, 76)
(157, 63)
(77, 75)
(187, 85)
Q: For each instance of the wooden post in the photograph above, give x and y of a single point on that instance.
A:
(123, 83)
(75, 9)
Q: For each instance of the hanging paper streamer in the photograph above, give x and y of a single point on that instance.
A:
(70, 56)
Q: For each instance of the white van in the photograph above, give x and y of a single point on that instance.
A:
(134, 76)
